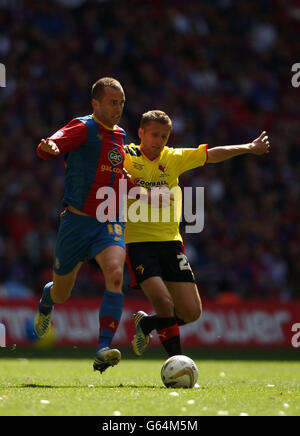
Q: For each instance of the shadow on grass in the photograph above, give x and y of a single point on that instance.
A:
(265, 354)
(38, 386)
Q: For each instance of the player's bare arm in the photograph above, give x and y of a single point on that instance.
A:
(259, 146)
(49, 146)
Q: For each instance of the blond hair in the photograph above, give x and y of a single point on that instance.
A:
(155, 115)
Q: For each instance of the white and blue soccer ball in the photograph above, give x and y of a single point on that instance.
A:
(179, 372)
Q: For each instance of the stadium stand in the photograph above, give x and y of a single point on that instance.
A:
(220, 68)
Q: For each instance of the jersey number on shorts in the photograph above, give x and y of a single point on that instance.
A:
(115, 229)
(184, 263)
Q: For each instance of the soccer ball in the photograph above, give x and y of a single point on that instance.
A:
(179, 372)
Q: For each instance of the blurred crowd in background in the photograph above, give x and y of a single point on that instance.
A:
(220, 68)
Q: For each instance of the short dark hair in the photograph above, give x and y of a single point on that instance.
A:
(155, 115)
(99, 86)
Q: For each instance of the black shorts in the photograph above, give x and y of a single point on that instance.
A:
(164, 259)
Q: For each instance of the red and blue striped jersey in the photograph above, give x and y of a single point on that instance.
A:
(94, 156)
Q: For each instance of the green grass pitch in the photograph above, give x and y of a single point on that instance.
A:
(230, 384)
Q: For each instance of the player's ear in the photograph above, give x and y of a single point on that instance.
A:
(141, 133)
(95, 103)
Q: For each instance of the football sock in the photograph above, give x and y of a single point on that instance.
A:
(46, 302)
(168, 333)
(109, 317)
(148, 323)
(167, 330)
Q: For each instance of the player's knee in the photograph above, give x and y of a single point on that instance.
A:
(117, 276)
(114, 276)
(113, 269)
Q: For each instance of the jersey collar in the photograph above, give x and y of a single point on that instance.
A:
(149, 160)
(101, 124)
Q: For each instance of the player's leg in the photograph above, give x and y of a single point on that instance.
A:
(164, 296)
(164, 321)
(70, 251)
(159, 296)
(57, 291)
(109, 252)
(187, 301)
(63, 285)
(111, 261)
(144, 264)
(177, 289)
(180, 281)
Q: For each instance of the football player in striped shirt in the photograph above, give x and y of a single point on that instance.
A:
(93, 149)
(155, 251)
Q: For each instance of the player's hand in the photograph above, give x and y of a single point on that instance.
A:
(260, 145)
(161, 197)
(49, 146)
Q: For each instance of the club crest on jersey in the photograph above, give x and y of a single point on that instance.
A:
(140, 269)
(138, 166)
(115, 157)
(162, 168)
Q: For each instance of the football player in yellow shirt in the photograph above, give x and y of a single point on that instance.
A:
(155, 251)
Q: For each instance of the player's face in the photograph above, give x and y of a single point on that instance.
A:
(154, 136)
(110, 107)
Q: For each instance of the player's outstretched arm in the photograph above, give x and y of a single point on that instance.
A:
(66, 139)
(259, 146)
(47, 149)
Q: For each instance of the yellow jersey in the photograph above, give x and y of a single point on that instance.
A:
(152, 225)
